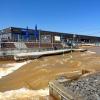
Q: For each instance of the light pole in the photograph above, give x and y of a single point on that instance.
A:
(52, 37)
(63, 48)
(71, 51)
(72, 43)
(39, 41)
(74, 35)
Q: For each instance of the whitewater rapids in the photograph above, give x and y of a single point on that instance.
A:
(11, 67)
(24, 94)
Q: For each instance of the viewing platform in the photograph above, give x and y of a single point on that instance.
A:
(22, 56)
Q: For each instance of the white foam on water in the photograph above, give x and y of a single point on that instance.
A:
(23, 93)
(88, 53)
(12, 67)
(61, 62)
(65, 59)
(91, 52)
(73, 72)
(44, 65)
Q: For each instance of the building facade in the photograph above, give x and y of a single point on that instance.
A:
(15, 40)
(19, 34)
(40, 38)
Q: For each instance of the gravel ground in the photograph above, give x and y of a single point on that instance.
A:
(87, 87)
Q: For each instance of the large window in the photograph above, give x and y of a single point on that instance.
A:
(15, 37)
(31, 37)
(45, 38)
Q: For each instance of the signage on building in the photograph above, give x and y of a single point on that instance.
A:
(16, 30)
(57, 38)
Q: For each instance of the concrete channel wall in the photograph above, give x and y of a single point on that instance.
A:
(60, 93)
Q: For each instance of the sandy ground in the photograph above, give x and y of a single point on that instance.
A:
(39, 72)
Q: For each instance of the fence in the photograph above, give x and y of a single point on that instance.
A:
(12, 48)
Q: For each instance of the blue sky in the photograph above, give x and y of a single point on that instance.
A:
(74, 16)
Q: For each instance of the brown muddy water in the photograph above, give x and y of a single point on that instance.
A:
(36, 74)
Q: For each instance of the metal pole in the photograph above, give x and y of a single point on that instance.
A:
(52, 42)
(63, 48)
(71, 46)
(71, 52)
(39, 41)
(63, 51)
